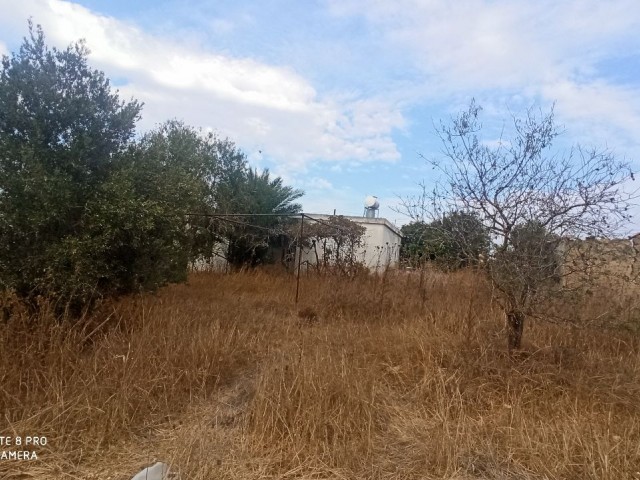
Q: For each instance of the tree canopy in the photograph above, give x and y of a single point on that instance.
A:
(456, 240)
(61, 130)
(259, 193)
(87, 209)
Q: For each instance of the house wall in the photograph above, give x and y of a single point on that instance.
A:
(216, 263)
(380, 249)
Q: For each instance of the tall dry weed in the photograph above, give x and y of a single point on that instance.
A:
(225, 379)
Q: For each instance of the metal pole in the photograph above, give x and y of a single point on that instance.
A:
(299, 255)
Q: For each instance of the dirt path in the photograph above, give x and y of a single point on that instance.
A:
(208, 439)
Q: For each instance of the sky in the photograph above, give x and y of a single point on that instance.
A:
(340, 97)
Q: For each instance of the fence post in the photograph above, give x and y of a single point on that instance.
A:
(299, 255)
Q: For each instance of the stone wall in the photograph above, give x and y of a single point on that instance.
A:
(612, 262)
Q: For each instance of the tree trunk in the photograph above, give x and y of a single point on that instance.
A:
(515, 324)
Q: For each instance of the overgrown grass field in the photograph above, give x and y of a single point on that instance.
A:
(372, 377)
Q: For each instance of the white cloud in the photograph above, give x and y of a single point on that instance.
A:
(500, 43)
(602, 111)
(253, 103)
(540, 51)
(317, 183)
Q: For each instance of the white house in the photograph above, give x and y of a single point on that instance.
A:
(380, 247)
(217, 262)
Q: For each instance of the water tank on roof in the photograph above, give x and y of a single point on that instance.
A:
(371, 206)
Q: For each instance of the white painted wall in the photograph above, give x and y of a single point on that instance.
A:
(381, 243)
(216, 263)
(380, 249)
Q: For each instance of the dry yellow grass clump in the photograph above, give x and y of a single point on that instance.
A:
(365, 378)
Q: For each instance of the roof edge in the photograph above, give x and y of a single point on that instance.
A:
(357, 219)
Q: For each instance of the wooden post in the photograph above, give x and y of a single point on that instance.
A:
(299, 255)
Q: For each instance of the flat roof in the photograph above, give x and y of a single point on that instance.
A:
(360, 220)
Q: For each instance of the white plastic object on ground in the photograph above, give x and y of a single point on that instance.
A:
(158, 471)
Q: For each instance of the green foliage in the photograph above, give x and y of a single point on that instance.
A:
(414, 243)
(141, 209)
(455, 241)
(189, 173)
(87, 212)
(134, 239)
(259, 193)
(529, 265)
(264, 194)
(61, 132)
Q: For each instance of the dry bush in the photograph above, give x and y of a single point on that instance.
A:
(225, 378)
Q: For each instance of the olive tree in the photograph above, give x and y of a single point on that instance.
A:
(530, 197)
(62, 130)
(87, 211)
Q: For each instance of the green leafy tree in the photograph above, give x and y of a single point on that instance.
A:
(456, 240)
(62, 130)
(211, 176)
(413, 251)
(194, 175)
(86, 211)
(202, 175)
(162, 177)
(263, 193)
(225, 174)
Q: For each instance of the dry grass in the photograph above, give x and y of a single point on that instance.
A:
(225, 378)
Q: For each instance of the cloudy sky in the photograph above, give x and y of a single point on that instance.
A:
(340, 96)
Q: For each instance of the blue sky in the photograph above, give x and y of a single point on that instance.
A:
(340, 96)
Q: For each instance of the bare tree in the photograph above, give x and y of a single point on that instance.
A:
(335, 244)
(531, 198)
